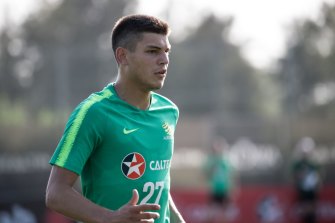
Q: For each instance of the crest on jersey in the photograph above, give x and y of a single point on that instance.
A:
(133, 166)
(169, 131)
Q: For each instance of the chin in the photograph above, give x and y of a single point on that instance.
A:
(157, 86)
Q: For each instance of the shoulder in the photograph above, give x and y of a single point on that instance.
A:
(93, 103)
(160, 100)
(162, 103)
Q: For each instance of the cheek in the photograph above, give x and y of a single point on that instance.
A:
(146, 65)
(142, 65)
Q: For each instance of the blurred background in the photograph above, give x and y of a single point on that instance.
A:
(260, 74)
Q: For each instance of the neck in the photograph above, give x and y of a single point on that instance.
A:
(133, 95)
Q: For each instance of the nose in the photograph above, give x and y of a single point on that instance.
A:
(164, 58)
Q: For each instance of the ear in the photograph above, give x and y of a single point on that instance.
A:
(121, 55)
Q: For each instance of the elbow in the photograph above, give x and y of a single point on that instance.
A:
(51, 199)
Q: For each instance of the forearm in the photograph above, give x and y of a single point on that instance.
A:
(72, 204)
(63, 198)
(175, 216)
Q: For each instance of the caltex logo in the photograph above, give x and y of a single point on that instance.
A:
(133, 166)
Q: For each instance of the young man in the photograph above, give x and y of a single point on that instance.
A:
(120, 140)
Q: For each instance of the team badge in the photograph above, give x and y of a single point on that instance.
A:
(168, 129)
(133, 166)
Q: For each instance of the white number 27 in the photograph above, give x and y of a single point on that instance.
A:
(150, 187)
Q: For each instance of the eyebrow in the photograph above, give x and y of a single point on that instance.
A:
(158, 48)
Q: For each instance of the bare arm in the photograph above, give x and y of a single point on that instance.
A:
(175, 216)
(63, 198)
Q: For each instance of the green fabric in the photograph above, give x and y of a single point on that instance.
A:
(220, 173)
(105, 141)
(73, 130)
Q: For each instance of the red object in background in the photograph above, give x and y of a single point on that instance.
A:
(256, 204)
(54, 217)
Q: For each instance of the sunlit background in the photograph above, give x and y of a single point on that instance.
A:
(259, 73)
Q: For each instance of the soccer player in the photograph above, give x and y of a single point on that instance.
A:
(120, 140)
(222, 179)
(307, 179)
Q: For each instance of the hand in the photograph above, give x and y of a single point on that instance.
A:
(132, 213)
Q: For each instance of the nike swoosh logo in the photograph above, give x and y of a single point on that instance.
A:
(128, 131)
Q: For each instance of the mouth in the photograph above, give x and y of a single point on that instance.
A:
(161, 73)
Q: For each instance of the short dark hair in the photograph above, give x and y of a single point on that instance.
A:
(128, 30)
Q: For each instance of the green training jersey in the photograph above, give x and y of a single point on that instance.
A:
(220, 173)
(116, 148)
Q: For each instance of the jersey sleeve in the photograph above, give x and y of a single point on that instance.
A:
(81, 136)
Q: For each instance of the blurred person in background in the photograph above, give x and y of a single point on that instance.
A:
(307, 179)
(120, 140)
(222, 182)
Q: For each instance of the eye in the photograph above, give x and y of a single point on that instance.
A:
(152, 51)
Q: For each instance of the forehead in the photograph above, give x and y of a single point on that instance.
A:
(154, 40)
